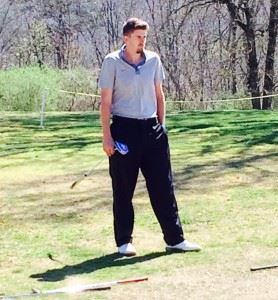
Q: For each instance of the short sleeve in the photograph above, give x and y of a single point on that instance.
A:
(107, 74)
(159, 73)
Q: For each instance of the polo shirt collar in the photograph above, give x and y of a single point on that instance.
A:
(142, 62)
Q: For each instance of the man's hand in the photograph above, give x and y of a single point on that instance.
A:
(108, 145)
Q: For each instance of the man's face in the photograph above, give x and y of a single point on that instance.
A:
(136, 40)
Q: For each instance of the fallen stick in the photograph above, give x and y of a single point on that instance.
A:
(263, 267)
(75, 289)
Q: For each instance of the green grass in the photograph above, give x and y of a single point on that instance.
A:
(225, 169)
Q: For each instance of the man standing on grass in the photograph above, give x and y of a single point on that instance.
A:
(131, 90)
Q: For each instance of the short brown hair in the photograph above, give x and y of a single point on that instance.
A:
(133, 24)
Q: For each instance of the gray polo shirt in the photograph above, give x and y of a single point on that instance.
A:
(133, 86)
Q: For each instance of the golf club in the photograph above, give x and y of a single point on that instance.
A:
(50, 256)
(87, 174)
(76, 288)
(120, 147)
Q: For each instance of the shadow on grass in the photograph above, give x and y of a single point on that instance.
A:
(92, 265)
(54, 122)
(76, 131)
(224, 145)
(249, 128)
(62, 131)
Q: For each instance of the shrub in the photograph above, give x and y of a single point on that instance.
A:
(21, 89)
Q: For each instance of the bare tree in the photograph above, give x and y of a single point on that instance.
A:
(244, 13)
(269, 63)
(209, 48)
(167, 26)
(109, 22)
(7, 32)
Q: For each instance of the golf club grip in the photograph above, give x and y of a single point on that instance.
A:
(96, 288)
(132, 280)
(264, 267)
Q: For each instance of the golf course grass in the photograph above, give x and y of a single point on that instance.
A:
(225, 166)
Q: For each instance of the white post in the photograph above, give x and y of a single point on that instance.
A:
(43, 104)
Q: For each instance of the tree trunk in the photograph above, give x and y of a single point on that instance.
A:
(233, 85)
(269, 63)
(252, 78)
(248, 28)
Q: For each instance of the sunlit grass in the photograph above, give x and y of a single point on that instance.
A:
(225, 172)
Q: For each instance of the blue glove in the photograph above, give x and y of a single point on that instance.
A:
(121, 148)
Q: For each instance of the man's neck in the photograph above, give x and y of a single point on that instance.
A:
(132, 57)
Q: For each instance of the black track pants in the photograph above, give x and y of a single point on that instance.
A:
(148, 151)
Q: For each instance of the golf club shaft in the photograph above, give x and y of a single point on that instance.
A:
(77, 289)
(264, 267)
(88, 173)
(69, 290)
(94, 286)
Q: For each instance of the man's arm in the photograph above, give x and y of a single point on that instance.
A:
(160, 98)
(105, 113)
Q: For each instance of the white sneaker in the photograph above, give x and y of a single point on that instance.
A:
(184, 246)
(127, 250)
